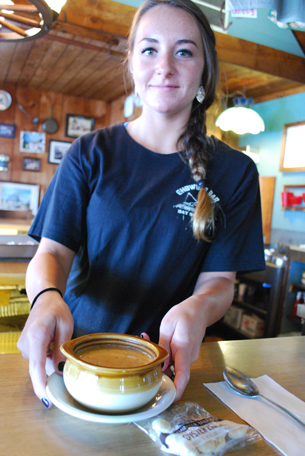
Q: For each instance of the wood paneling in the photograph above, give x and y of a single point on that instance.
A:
(38, 103)
(267, 186)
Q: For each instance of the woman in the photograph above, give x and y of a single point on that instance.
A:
(144, 225)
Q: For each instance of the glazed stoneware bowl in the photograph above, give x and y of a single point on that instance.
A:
(112, 373)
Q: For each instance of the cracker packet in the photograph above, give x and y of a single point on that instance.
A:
(189, 430)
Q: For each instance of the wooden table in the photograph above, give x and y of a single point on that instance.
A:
(27, 428)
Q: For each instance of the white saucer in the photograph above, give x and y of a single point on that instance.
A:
(60, 397)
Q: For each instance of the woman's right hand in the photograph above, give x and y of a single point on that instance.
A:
(49, 325)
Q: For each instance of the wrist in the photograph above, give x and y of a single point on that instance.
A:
(45, 290)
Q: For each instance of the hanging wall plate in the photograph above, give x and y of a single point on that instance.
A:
(5, 100)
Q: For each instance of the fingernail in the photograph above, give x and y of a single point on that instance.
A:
(142, 335)
(61, 366)
(45, 401)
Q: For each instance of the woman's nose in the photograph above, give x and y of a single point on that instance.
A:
(165, 65)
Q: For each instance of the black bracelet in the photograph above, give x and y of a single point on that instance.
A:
(43, 291)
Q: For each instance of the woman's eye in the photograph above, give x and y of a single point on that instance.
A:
(148, 51)
(185, 53)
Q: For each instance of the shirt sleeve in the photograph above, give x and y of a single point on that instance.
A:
(238, 245)
(62, 213)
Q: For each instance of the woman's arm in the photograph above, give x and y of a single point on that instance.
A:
(183, 327)
(50, 322)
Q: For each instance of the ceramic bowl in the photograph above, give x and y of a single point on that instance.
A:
(112, 373)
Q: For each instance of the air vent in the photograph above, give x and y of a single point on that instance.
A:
(217, 16)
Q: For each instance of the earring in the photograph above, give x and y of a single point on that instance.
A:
(200, 94)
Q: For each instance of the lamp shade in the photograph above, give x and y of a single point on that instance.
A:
(241, 120)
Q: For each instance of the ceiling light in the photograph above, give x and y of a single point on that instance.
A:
(27, 21)
(241, 118)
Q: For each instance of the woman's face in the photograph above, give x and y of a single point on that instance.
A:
(167, 60)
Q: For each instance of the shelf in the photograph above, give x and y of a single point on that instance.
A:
(239, 331)
(294, 287)
(293, 208)
(251, 307)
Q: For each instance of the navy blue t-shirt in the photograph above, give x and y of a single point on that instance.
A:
(126, 212)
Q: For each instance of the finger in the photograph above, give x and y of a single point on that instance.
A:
(63, 333)
(166, 332)
(38, 348)
(39, 380)
(145, 336)
(182, 365)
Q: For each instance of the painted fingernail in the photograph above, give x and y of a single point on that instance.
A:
(45, 401)
(61, 366)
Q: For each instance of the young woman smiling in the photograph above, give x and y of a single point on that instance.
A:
(145, 224)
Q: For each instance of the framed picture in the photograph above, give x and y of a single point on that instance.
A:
(78, 125)
(293, 147)
(7, 130)
(15, 196)
(31, 164)
(32, 141)
(57, 150)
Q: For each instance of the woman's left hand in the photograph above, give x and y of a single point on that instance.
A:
(181, 334)
(183, 328)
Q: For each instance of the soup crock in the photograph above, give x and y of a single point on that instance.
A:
(112, 373)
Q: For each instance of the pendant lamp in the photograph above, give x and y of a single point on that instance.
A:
(28, 20)
(241, 118)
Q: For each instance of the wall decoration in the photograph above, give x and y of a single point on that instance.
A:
(15, 196)
(78, 125)
(32, 141)
(57, 150)
(31, 164)
(7, 130)
(293, 147)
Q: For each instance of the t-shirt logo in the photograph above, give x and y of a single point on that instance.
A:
(188, 205)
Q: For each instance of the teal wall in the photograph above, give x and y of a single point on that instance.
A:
(276, 114)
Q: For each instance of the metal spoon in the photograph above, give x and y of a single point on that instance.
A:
(243, 385)
(35, 120)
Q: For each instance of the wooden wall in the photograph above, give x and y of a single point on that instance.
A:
(38, 103)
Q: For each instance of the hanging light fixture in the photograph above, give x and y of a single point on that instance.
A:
(241, 118)
(28, 20)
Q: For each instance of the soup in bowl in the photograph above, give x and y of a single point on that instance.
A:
(113, 373)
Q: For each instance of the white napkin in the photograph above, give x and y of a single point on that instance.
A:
(273, 424)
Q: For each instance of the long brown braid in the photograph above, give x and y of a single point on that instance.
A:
(194, 144)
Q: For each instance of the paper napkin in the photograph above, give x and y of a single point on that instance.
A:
(276, 426)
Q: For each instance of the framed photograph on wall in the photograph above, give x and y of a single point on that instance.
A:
(7, 130)
(293, 147)
(57, 150)
(16, 196)
(78, 125)
(31, 164)
(32, 142)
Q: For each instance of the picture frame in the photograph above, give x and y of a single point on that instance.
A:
(31, 164)
(32, 142)
(16, 196)
(77, 125)
(7, 130)
(292, 157)
(57, 149)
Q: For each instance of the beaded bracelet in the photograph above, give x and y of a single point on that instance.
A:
(43, 291)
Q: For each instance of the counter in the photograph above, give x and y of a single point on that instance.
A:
(28, 428)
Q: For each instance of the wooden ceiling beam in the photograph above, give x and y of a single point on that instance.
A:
(260, 58)
(86, 32)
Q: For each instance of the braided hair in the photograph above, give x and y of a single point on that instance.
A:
(194, 144)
